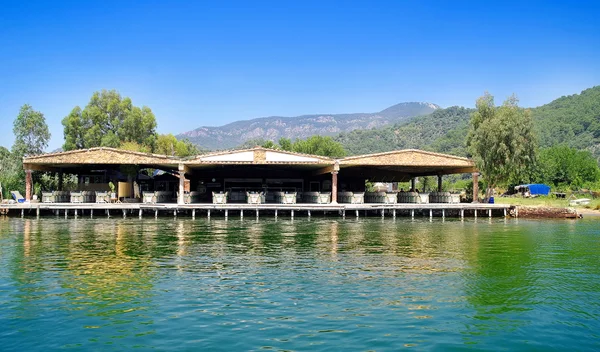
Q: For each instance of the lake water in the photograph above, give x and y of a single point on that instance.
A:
(320, 284)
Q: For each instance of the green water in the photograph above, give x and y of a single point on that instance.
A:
(323, 284)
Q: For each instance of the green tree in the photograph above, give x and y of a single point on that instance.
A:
(108, 121)
(285, 144)
(566, 167)
(31, 132)
(12, 176)
(502, 142)
(269, 145)
(319, 145)
(168, 144)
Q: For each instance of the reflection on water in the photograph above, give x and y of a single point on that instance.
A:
(298, 285)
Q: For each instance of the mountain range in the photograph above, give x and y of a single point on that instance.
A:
(272, 128)
(573, 120)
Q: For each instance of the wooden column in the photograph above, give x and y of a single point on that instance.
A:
(413, 183)
(28, 185)
(439, 183)
(180, 197)
(334, 188)
(475, 187)
(181, 194)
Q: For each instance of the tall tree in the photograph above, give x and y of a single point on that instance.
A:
(502, 141)
(31, 132)
(319, 145)
(167, 144)
(316, 145)
(285, 144)
(566, 167)
(109, 120)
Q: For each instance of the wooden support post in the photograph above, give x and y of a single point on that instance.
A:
(440, 183)
(91, 213)
(155, 213)
(208, 214)
(504, 212)
(292, 213)
(124, 213)
(140, 213)
(23, 213)
(66, 213)
(475, 187)
(430, 213)
(108, 213)
(344, 214)
(394, 213)
(175, 213)
(242, 214)
(334, 186)
(412, 213)
(56, 212)
(226, 213)
(462, 213)
(413, 183)
(75, 212)
(309, 213)
(28, 185)
(490, 213)
(382, 213)
(180, 194)
(275, 213)
(357, 214)
(475, 213)
(443, 213)
(257, 213)
(193, 214)
(37, 212)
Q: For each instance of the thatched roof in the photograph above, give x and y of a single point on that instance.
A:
(407, 162)
(98, 156)
(408, 157)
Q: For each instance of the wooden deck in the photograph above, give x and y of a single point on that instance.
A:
(303, 209)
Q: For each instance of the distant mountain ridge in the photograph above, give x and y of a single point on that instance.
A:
(573, 120)
(275, 127)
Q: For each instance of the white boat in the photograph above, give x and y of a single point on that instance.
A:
(581, 201)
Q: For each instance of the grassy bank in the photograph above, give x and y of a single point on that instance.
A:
(545, 202)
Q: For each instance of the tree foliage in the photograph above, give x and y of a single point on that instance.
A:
(318, 145)
(31, 132)
(109, 120)
(502, 142)
(565, 167)
(573, 120)
(315, 145)
(12, 176)
(168, 144)
(442, 131)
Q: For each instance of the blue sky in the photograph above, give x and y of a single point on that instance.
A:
(200, 63)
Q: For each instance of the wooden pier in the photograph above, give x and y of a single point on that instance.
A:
(140, 210)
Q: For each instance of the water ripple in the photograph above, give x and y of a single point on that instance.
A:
(321, 284)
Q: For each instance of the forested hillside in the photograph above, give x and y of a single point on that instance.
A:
(573, 120)
(444, 130)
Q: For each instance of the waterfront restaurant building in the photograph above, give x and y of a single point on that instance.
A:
(238, 172)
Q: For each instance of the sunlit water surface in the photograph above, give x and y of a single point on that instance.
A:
(320, 284)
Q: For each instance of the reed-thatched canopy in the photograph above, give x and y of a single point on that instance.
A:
(403, 165)
(390, 166)
(75, 161)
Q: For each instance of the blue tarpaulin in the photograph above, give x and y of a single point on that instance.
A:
(536, 189)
